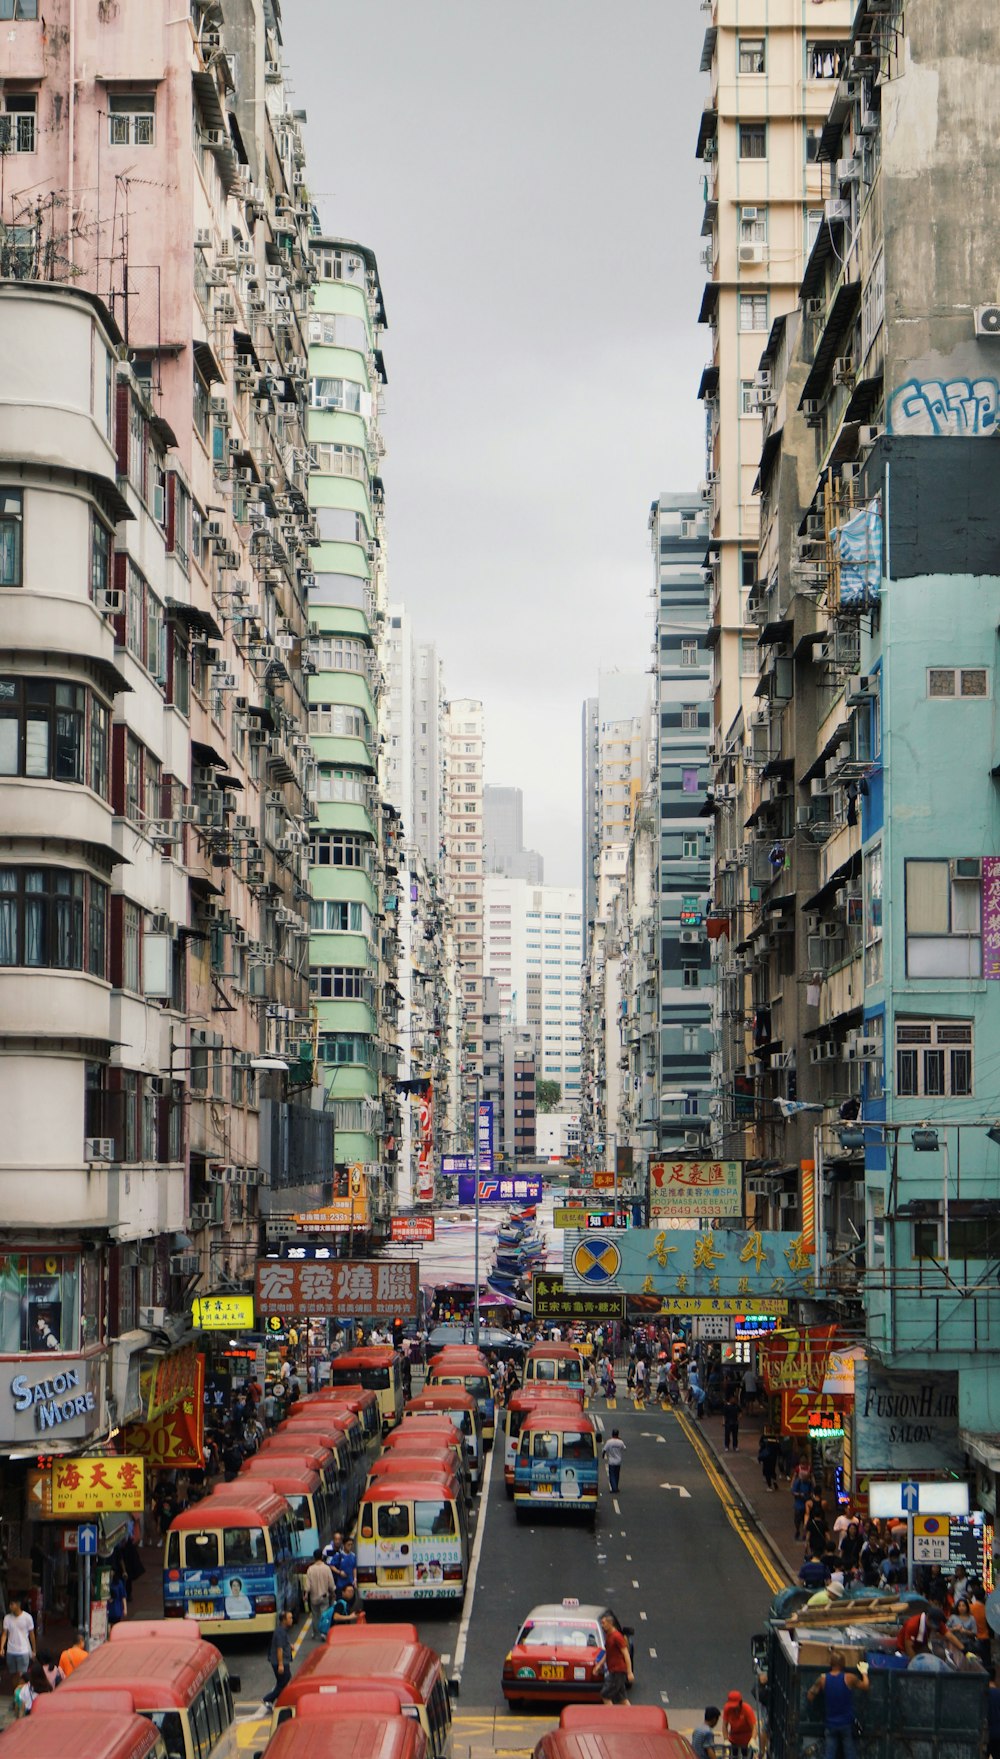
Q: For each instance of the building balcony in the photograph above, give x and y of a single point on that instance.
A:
(52, 1004)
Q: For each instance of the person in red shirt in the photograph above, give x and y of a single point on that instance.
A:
(915, 1633)
(738, 1724)
(618, 1675)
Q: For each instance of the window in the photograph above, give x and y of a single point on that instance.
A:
(753, 225)
(689, 848)
(433, 1519)
(749, 659)
(337, 916)
(11, 519)
(873, 304)
(338, 849)
(933, 1059)
(39, 1304)
(17, 121)
(337, 460)
(753, 140)
(339, 719)
(943, 932)
(17, 9)
(748, 569)
(346, 1047)
(131, 947)
(753, 311)
(689, 716)
(342, 785)
(44, 922)
(814, 220)
(814, 141)
(340, 653)
(689, 653)
(952, 681)
(689, 1039)
(341, 394)
(873, 915)
(43, 732)
(749, 397)
(691, 976)
(131, 119)
(824, 60)
(751, 55)
(342, 983)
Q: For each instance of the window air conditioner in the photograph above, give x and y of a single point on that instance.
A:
(201, 1214)
(815, 308)
(99, 1148)
(788, 1200)
(967, 867)
(843, 370)
(860, 690)
(867, 436)
(152, 1318)
(114, 602)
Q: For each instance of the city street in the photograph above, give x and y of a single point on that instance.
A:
(665, 1556)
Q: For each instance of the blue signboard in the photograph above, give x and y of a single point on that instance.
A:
(464, 1163)
(485, 1131)
(222, 1593)
(516, 1189)
(703, 1263)
(86, 1540)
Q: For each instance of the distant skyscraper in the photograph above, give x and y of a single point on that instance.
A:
(534, 952)
(503, 821)
(616, 730)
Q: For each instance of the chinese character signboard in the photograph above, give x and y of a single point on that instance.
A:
(991, 916)
(604, 1181)
(516, 1189)
(695, 1187)
(87, 1486)
(359, 1288)
(751, 1267)
(804, 1413)
(337, 1217)
(552, 1300)
(582, 1218)
(411, 1227)
(169, 1381)
(691, 915)
(425, 1146)
(222, 1313)
(175, 1437)
(486, 1135)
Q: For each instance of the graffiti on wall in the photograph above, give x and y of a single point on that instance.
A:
(952, 406)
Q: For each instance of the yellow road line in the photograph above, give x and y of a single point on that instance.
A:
(735, 1514)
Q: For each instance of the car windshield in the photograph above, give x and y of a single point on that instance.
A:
(561, 1633)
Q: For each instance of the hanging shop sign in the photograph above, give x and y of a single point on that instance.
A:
(794, 1359)
(803, 1411)
(520, 1189)
(111, 1485)
(411, 1227)
(695, 1187)
(168, 1379)
(50, 1401)
(222, 1313)
(906, 1421)
(550, 1299)
(176, 1436)
(356, 1288)
(338, 1217)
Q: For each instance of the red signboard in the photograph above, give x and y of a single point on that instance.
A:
(174, 1437)
(604, 1181)
(797, 1359)
(802, 1411)
(411, 1227)
(353, 1288)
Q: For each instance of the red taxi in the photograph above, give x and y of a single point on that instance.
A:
(558, 1657)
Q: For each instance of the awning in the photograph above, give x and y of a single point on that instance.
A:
(847, 870)
(836, 738)
(208, 366)
(708, 48)
(164, 432)
(768, 454)
(237, 139)
(201, 883)
(773, 633)
(194, 618)
(839, 317)
(243, 344)
(709, 302)
(207, 754)
(707, 130)
(709, 382)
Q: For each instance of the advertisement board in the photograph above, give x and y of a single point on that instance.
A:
(87, 1486)
(359, 1288)
(222, 1313)
(411, 1227)
(695, 1187)
(518, 1188)
(42, 1400)
(563, 1217)
(750, 1264)
(175, 1437)
(906, 1421)
(550, 1299)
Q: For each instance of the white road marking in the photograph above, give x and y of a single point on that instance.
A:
(616, 1505)
(628, 1557)
(642, 1615)
(652, 1655)
(634, 1583)
(650, 1436)
(664, 1699)
(470, 1589)
(678, 1487)
(446, 1660)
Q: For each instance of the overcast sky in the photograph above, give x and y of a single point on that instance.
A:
(524, 171)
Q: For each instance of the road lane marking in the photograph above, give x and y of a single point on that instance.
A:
(634, 1583)
(734, 1511)
(652, 1655)
(628, 1557)
(300, 1639)
(642, 1615)
(470, 1588)
(616, 1505)
(678, 1487)
(664, 1699)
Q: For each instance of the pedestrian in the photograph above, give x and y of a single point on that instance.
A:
(749, 1389)
(117, 1597)
(767, 1454)
(73, 1655)
(802, 1493)
(17, 1639)
(53, 1672)
(838, 1687)
(738, 1725)
(703, 1739)
(731, 1421)
(613, 1452)
(984, 1638)
(640, 1378)
(963, 1624)
(814, 1573)
(817, 1531)
(345, 1608)
(696, 1393)
(591, 1379)
(618, 1675)
(280, 1656)
(321, 1587)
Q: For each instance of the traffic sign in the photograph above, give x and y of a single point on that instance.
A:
(931, 1539)
(909, 1495)
(86, 1539)
(894, 1496)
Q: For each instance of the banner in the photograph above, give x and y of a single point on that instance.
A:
(906, 1421)
(513, 1190)
(695, 1187)
(796, 1360)
(88, 1486)
(176, 1437)
(168, 1379)
(425, 1148)
(411, 1227)
(550, 1299)
(349, 1288)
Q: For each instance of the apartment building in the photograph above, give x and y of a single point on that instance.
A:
(534, 951)
(518, 1065)
(156, 1057)
(615, 760)
(462, 843)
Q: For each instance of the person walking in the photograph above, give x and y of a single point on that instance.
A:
(73, 1655)
(280, 1656)
(731, 1421)
(17, 1639)
(321, 1588)
(618, 1675)
(803, 1489)
(613, 1452)
(738, 1725)
(640, 1379)
(767, 1454)
(838, 1688)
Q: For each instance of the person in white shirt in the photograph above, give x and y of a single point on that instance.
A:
(17, 1640)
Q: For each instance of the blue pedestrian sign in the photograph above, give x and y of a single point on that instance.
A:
(86, 1539)
(909, 1496)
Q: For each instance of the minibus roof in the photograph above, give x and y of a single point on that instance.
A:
(366, 1356)
(539, 1390)
(643, 1718)
(100, 1734)
(394, 1489)
(287, 1480)
(389, 1471)
(337, 1635)
(310, 1452)
(232, 1505)
(553, 1350)
(162, 1672)
(605, 1741)
(423, 1433)
(316, 1734)
(458, 1352)
(445, 1398)
(382, 1662)
(554, 1417)
(326, 1429)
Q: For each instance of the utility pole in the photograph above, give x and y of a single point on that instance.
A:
(475, 1131)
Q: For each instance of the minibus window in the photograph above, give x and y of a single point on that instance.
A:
(202, 1551)
(577, 1447)
(215, 1705)
(375, 1378)
(546, 1446)
(393, 1521)
(244, 1545)
(366, 1520)
(545, 1371)
(430, 1519)
(173, 1551)
(514, 1420)
(199, 1726)
(569, 1371)
(172, 1729)
(230, 1712)
(300, 1512)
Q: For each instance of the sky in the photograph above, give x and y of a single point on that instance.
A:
(524, 171)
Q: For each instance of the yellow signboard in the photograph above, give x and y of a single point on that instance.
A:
(222, 1313)
(700, 1305)
(89, 1486)
(335, 1217)
(565, 1217)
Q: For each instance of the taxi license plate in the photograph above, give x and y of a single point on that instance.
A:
(552, 1673)
(201, 1609)
(395, 1575)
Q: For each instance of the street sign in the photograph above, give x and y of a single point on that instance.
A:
(931, 1535)
(86, 1540)
(931, 1497)
(714, 1327)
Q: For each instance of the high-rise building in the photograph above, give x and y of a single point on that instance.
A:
(463, 856)
(156, 1058)
(615, 764)
(518, 1075)
(503, 818)
(428, 760)
(679, 528)
(534, 951)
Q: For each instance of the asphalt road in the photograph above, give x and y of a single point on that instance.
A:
(672, 1565)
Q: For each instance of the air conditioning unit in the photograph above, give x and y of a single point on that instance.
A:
(272, 71)
(832, 930)
(967, 867)
(848, 170)
(114, 602)
(988, 320)
(815, 308)
(689, 937)
(762, 379)
(843, 370)
(98, 1148)
(203, 237)
(818, 787)
(824, 1053)
(868, 122)
(185, 1264)
(836, 210)
(201, 1214)
(815, 525)
(220, 409)
(849, 473)
(692, 1138)
(152, 1318)
(752, 253)
(860, 690)
(867, 436)
(212, 528)
(788, 1200)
